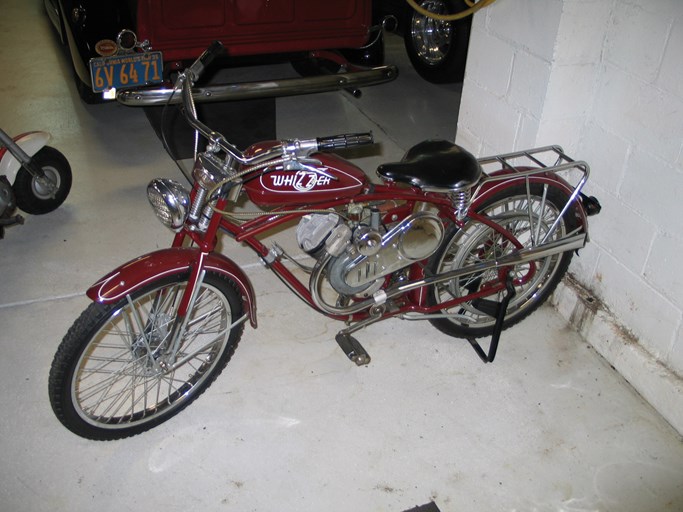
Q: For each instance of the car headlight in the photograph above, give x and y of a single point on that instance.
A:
(170, 201)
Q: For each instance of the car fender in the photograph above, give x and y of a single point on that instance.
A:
(31, 143)
(54, 12)
(145, 269)
(88, 21)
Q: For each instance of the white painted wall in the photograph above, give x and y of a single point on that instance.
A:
(604, 79)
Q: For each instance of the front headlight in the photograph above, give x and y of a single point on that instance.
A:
(170, 201)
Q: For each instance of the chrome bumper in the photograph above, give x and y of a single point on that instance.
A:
(266, 89)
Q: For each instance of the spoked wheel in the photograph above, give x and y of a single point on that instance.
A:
(117, 372)
(529, 218)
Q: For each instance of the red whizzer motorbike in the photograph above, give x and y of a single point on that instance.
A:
(439, 239)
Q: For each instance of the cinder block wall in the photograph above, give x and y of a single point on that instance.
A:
(604, 79)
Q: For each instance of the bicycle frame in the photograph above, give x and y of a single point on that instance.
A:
(413, 291)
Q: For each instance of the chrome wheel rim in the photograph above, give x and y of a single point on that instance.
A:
(477, 242)
(123, 376)
(431, 38)
(47, 186)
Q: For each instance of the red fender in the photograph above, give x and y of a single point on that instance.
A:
(135, 274)
(548, 178)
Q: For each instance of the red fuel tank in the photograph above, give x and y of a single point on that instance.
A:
(337, 178)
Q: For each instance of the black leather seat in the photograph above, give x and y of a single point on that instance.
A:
(434, 165)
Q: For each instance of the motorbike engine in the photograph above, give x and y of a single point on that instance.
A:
(7, 206)
(7, 203)
(364, 253)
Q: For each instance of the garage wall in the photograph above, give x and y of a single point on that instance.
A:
(604, 79)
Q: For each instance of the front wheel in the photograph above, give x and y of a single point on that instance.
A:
(117, 373)
(37, 195)
(529, 216)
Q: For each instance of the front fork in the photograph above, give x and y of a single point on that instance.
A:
(194, 284)
(187, 302)
(164, 358)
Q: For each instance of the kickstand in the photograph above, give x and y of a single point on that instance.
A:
(500, 312)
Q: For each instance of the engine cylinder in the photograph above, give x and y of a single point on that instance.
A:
(410, 241)
(314, 229)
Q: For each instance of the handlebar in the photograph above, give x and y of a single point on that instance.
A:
(206, 58)
(345, 140)
(300, 148)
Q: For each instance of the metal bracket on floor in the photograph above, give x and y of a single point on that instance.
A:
(429, 507)
(498, 310)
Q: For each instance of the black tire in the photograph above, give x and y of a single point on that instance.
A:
(34, 196)
(476, 242)
(86, 93)
(107, 380)
(438, 49)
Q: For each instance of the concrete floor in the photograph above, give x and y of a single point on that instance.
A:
(292, 424)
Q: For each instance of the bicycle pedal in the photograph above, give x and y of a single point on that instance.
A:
(352, 348)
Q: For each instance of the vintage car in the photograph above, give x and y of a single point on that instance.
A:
(130, 44)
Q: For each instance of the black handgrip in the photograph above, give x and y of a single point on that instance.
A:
(198, 66)
(344, 140)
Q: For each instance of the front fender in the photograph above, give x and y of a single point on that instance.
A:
(145, 269)
(31, 143)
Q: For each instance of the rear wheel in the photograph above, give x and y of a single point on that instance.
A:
(529, 218)
(116, 373)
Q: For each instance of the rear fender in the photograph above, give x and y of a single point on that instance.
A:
(31, 143)
(141, 271)
(548, 178)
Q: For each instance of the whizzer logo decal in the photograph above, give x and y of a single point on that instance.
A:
(303, 181)
(308, 181)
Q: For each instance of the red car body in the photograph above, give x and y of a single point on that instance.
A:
(181, 30)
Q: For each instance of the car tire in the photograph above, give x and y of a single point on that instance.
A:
(438, 49)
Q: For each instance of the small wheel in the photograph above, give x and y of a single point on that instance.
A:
(117, 374)
(438, 49)
(42, 195)
(529, 219)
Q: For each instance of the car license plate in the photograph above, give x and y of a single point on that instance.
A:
(123, 71)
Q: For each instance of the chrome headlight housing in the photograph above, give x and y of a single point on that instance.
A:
(170, 201)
